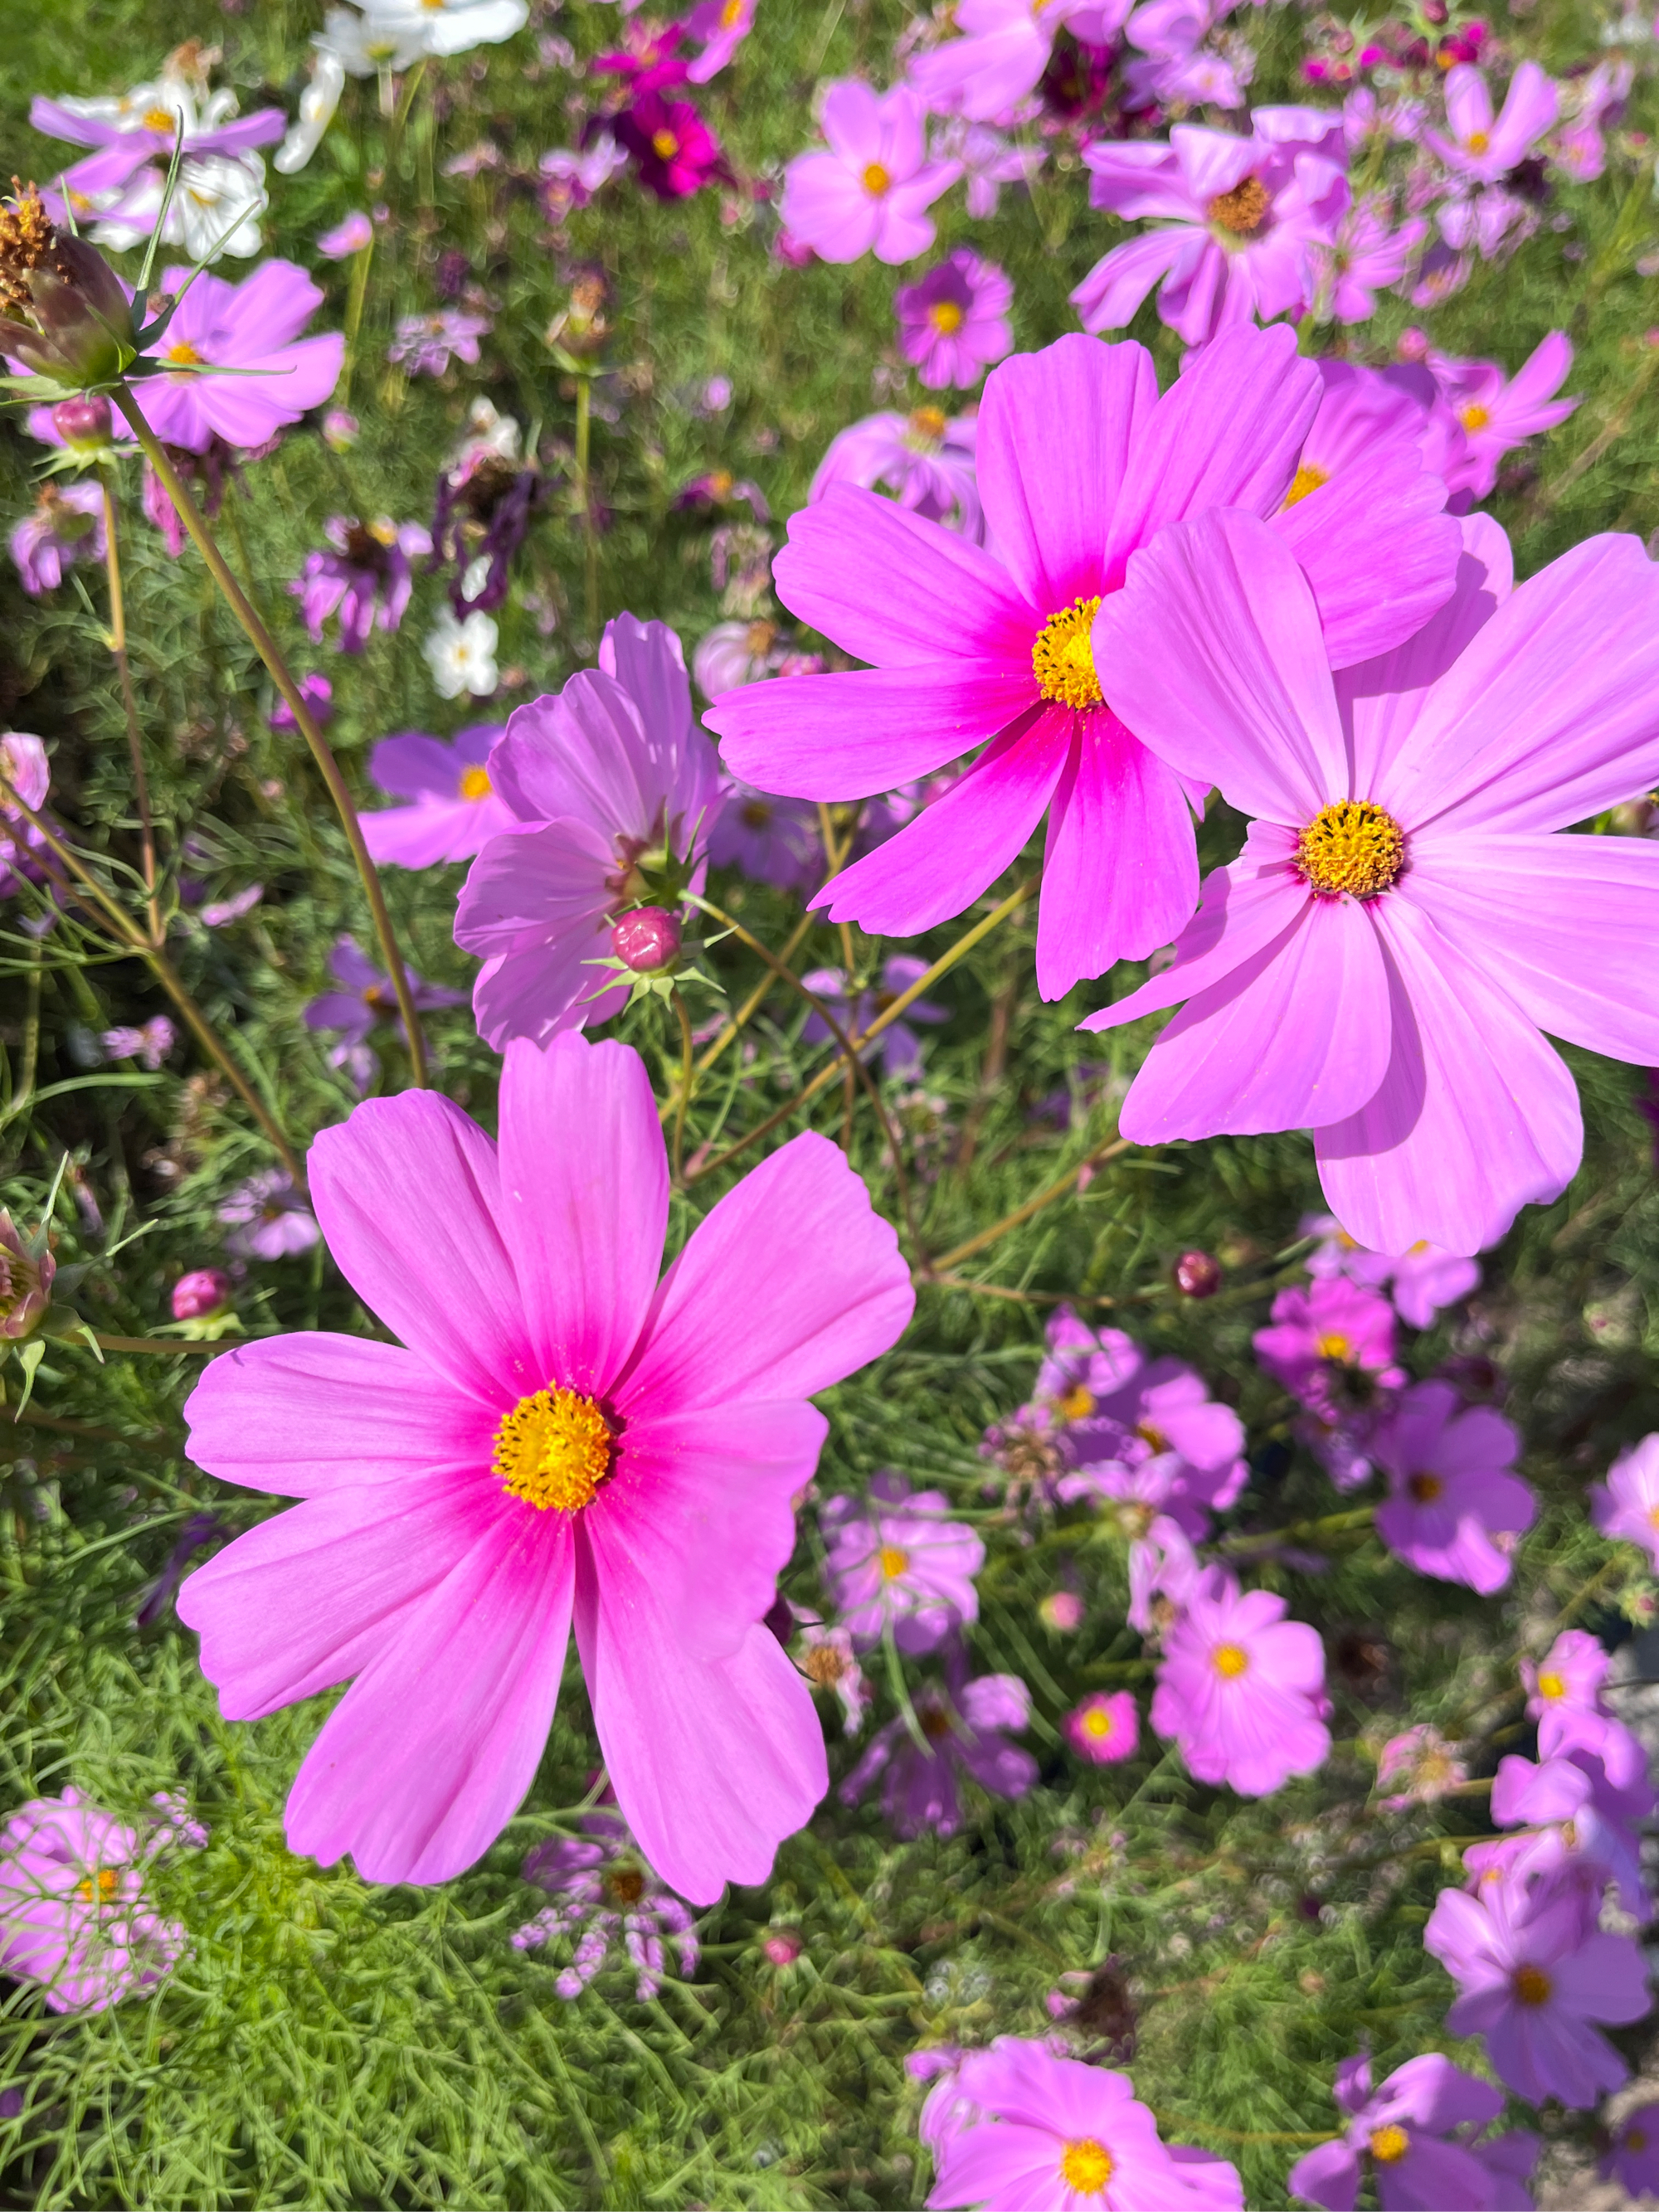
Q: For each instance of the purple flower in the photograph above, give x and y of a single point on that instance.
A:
(1241, 1689)
(828, 1661)
(454, 808)
(366, 997)
(1404, 2133)
(1331, 1346)
(605, 1889)
(426, 344)
(1497, 413)
(954, 324)
(722, 24)
(1583, 1828)
(1450, 1487)
(251, 328)
(613, 788)
(898, 1045)
(364, 576)
(898, 1560)
(218, 914)
(1485, 146)
(870, 190)
(1126, 1415)
(1632, 2158)
(1627, 1503)
(1368, 256)
(1564, 1697)
(570, 178)
(346, 238)
(1537, 1977)
(150, 1042)
(772, 840)
(675, 152)
(925, 458)
(1104, 1728)
(65, 526)
(987, 160)
(73, 1913)
(965, 1727)
(319, 694)
(1427, 1763)
(269, 1219)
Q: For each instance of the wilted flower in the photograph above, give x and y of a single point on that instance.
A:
(64, 312)
(606, 1889)
(1427, 1765)
(268, 1218)
(828, 1661)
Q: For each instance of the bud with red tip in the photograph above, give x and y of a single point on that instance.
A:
(201, 1294)
(781, 1947)
(1197, 1275)
(646, 940)
(86, 424)
(64, 311)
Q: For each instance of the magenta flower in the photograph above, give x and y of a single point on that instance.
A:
(268, 1218)
(674, 150)
(966, 1725)
(924, 459)
(319, 694)
(1496, 413)
(614, 790)
(772, 840)
(722, 26)
(870, 192)
(1368, 255)
(1241, 218)
(453, 808)
(1627, 1503)
(898, 1045)
(426, 344)
(1241, 1689)
(346, 238)
(1427, 1765)
(66, 525)
(605, 1890)
(1401, 882)
(253, 329)
(74, 1916)
(1150, 1415)
(1104, 1728)
(1485, 146)
(1450, 1487)
(202, 1293)
(955, 323)
(1069, 2138)
(1423, 1280)
(1632, 2159)
(1537, 1977)
(570, 178)
(1403, 2134)
(896, 1561)
(364, 577)
(975, 648)
(589, 1443)
(1331, 1346)
(1002, 52)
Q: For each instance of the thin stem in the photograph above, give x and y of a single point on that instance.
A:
(24, 1089)
(118, 648)
(154, 1344)
(353, 314)
(583, 492)
(265, 645)
(1108, 1150)
(1303, 1532)
(752, 1003)
(687, 1076)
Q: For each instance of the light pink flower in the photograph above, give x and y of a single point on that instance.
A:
(452, 808)
(1331, 1346)
(954, 323)
(563, 1436)
(897, 1560)
(925, 458)
(1241, 1689)
(251, 331)
(1421, 1281)
(870, 192)
(1627, 1503)
(1485, 146)
(722, 24)
(1427, 1763)
(346, 238)
(1450, 1487)
(987, 160)
(1498, 413)
(1368, 256)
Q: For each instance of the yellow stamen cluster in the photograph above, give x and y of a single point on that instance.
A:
(664, 145)
(1389, 2145)
(475, 783)
(183, 355)
(947, 317)
(1097, 1723)
(103, 1885)
(927, 424)
(1086, 2166)
(1550, 1685)
(1474, 417)
(1332, 1347)
(1077, 1405)
(1152, 1435)
(1533, 1986)
(1230, 1660)
(876, 179)
(1478, 140)
(1308, 479)
(1062, 659)
(1242, 211)
(893, 1562)
(554, 1449)
(1353, 849)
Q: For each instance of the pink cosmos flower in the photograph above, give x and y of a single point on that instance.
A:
(1242, 217)
(346, 237)
(1536, 1978)
(898, 1046)
(735, 653)
(426, 344)
(268, 1218)
(131, 135)
(1427, 1763)
(590, 1443)
(897, 1560)
(65, 525)
(987, 160)
(1241, 1689)
(1124, 1410)
(253, 329)
(675, 152)
(149, 1042)
(1331, 1346)
(74, 1916)
(722, 26)
(319, 694)
(604, 1889)
(1582, 1826)
(1485, 146)
(1401, 883)
(977, 648)
(1403, 2133)
(965, 1727)
(1104, 1728)
(1450, 1487)
(571, 177)
(1175, 67)
(365, 999)
(614, 790)
(364, 576)
(1627, 1503)
(925, 458)
(453, 808)
(954, 323)
(772, 840)
(1496, 413)
(1368, 255)
(1002, 52)
(1053, 2132)
(1564, 1697)
(1632, 2159)
(1423, 1280)
(870, 192)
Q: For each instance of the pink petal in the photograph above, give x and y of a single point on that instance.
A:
(303, 1414)
(583, 1204)
(1367, 606)
(1111, 293)
(1476, 1117)
(406, 1192)
(429, 1753)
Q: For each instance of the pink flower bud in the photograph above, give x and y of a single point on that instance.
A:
(339, 429)
(1061, 1610)
(646, 940)
(1412, 344)
(781, 1947)
(203, 1292)
(83, 424)
(1197, 1275)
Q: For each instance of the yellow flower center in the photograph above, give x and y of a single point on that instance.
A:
(554, 1448)
(945, 317)
(730, 14)
(1230, 1660)
(1352, 849)
(475, 783)
(1425, 1488)
(160, 118)
(1062, 659)
(893, 1561)
(1533, 1986)
(1389, 2145)
(103, 1884)
(1307, 478)
(1550, 1685)
(1473, 416)
(1243, 210)
(664, 145)
(876, 179)
(1097, 1721)
(184, 355)
(1077, 1405)
(1478, 140)
(1151, 1434)
(928, 423)
(1087, 2166)
(1334, 1346)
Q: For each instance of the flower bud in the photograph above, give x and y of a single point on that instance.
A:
(1197, 1275)
(25, 1283)
(1062, 1610)
(85, 424)
(66, 314)
(781, 1947)
(646, 940)
(201, 1294)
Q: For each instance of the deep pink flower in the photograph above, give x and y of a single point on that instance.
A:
(1331, 1346)
(1104, 1728)
(965, 1726)
(954, 323)
(588, 1440)
(674, 150)
(65, 525)
(897, 1559)
(1627, 1503)
(870, 192)
(1485, 146)
(346, 237)
(1422, 1280)
(722, 24)
(1496, 413)
(1241, 218)
(925, 458)
(1536, 1978)
(1241, 1689)
(613, 789)
(268, 1218)
(1055, 2134)
(1632, 2159)
(646, 939)
(1450, 1487)
(251, 328)
(1401, 885)
(1002, 52)
(203, 1292)
(453, 808)
(364, 576)
(975, 648)
(1403, 2134)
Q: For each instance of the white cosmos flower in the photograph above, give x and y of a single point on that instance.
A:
(317, 105)
(215, 210)
(455, 27)
(462, 655)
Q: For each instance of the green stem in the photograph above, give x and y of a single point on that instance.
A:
(265, 645)
(354, 315)
(118, 647)
(154, 1344)
(1303, 1532)
(583, 492)
(1108, 1150)
(688, 1073)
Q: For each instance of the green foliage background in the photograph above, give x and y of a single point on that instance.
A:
(328, 2043)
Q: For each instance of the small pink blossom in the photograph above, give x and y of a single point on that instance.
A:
(1241, 1689)
(1498, 413)
(828, 1661)
(1451, 1488)
(347, 237)
(149, 1043)
(1481, 144)
(964, 1727)
(897, 1559)
(426, 344)
(1331, 1346)
(954, 323)
(1426, 1762)
(1104, 1728)
(925, 458)
(870, 192)
(1627, 1503)
(603, 1889)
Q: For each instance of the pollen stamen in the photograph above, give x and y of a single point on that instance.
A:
(554, 1449)
(1243, 210)
(1062, 659)
(1353, 849)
